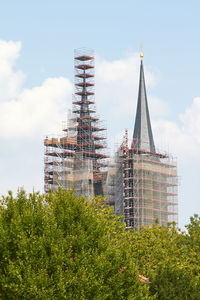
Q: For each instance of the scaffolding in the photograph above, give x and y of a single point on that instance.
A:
(139, 183)
(78, 159)
(149, 186)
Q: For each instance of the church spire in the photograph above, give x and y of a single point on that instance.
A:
(142, 136)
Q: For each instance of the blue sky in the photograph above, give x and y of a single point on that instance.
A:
(38, 65)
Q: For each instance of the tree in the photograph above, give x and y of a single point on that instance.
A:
(64, 247)
(170, 258)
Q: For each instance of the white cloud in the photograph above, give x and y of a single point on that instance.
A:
(28, 112)
(10, 80)
(37, 110)
(117, 87)
(182, 138)
(26, 116)
(158, 108)
(191, 120)
(124, 70)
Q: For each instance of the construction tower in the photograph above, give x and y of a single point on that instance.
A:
(145, 181)
(77, 159)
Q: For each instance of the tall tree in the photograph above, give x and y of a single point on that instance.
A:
(63, 247)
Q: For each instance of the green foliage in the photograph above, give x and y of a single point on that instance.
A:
(63, 247)
(170, 258)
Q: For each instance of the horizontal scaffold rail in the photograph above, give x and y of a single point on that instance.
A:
(151, 180)
(152, 190)
(95, 137)
(84, 84)
(97, 146)
(153, 161)
(84, 57)
(94, 128)
(88, 118)
(78, 111)
(80, 102)
(150, 218)
(156, 209)
(89, 154)
(84, 93)
(84, 67)
(65, 153)
(151, 199)
(135, 150)
(157, 171)
(93, 154)
(57, 164)
(84, 75)
(64, 145)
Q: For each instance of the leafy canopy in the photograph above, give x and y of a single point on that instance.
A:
(64, 247)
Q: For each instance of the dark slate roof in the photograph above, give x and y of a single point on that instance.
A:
(142, 136)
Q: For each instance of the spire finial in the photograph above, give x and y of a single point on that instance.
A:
(141, 52)
(142, 135)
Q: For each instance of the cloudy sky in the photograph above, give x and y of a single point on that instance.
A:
(37, 42)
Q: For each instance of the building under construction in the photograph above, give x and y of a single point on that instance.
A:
(141, 183)
(144, 181)
(77, 159)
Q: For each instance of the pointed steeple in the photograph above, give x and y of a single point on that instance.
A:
(142, 136)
